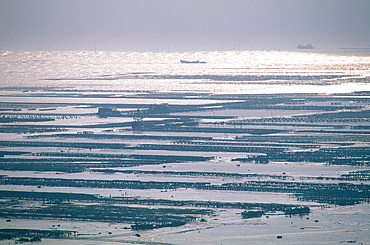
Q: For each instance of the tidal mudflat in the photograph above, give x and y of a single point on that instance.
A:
(118, 167)
(251, 147)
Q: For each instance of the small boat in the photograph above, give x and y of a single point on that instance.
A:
(192, 62)
(307, 46)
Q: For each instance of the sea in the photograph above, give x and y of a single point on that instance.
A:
(224, 72)
(26, 74)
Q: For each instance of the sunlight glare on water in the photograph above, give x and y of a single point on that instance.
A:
(86, 70)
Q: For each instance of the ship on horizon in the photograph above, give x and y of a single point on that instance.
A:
(307, 46)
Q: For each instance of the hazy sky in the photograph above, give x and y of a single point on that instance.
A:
(180, 25)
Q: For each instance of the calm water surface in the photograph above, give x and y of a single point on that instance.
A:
(129, 71)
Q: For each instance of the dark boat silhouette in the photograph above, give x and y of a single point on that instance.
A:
(192, 62)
